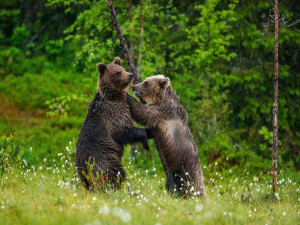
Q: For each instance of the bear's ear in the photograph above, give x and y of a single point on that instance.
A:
(164, 83)
(101, 67)
(118, 61)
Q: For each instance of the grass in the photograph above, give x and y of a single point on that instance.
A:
(53, 195)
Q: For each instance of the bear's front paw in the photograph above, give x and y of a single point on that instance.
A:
(149, 132)
(145, 143)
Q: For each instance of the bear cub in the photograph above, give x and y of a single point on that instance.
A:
(167, 120)
(107, 128)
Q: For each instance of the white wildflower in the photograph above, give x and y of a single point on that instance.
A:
(199, 208)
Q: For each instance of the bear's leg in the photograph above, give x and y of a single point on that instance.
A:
(199, 183)
(116, 175)
(170, 184)
(109, 173)
(182, 182)
(196, 178)
(83, 178)
(81, 167)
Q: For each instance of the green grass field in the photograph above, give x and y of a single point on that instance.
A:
(53, 195)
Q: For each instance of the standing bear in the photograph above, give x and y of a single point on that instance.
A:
(167, 120)
(107, 128)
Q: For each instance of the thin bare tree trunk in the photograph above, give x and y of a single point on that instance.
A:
(131, 29)
(133, 147)
(275, 106)
(140, 58)
(123, 42)
(127, 54)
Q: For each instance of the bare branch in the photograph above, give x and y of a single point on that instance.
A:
(123, 42)
(281, 18)
(275, 105)
(128, 58)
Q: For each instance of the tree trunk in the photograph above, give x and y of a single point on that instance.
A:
(133, 147)
(275, 106)
(140, 58)
(123, 42)
(127, 54)
(131, 29)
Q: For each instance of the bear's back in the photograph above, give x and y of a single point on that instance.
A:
(104, 120)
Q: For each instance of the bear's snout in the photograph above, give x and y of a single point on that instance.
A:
(130, 75)
(137, 89)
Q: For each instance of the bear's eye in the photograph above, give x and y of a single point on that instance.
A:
(146, 84)
(118, 73)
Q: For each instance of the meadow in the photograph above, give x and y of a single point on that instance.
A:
(53, 195)
(219, 56)
(39, 183)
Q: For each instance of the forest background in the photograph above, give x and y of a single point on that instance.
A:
(219, 55)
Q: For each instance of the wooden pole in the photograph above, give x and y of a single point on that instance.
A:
(123, 42)
(275, 106)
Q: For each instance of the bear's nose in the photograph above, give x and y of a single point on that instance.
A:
(133, 88)
(130, 75)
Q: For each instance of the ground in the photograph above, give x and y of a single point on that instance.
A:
(53, 195)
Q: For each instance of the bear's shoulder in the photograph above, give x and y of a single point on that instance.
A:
(95, 103)
(182, 113)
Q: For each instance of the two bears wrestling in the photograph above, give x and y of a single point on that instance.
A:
(108, 127)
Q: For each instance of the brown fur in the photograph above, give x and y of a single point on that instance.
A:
(173, 139)
(108, 127)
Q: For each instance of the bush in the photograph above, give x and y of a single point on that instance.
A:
(41, 91)
(11, 153)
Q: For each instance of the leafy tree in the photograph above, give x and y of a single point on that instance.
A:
(218, 54)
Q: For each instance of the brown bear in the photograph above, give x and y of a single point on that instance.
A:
(167, 120)
(107, 128)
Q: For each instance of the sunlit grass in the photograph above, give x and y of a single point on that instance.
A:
(53, 195)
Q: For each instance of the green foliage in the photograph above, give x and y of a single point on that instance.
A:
(268, 136)
(143, 159)
(19, 36)
(99, 182)
(11, 153)
(62, 105)
(52, 90)
(218, 54)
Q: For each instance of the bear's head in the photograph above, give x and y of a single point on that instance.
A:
(113, 75)
(152, 88)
